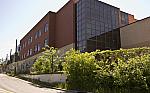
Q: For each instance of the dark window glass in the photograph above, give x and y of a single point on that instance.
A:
(46, 27)
(46, 42)
(36, 35)
(94, 22)
(40, 33)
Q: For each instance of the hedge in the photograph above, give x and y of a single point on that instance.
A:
(118, 69)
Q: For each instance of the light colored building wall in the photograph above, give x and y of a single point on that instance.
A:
(136, 34)
(66, 48)
(25, 65)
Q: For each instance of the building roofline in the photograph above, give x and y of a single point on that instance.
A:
(42, 18)
(63, 6)
(108, 4)
(127, 13)
(135, 22)
(115, 7)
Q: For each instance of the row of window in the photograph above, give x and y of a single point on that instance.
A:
(100, 28)
(37, 48)
(30, 51)
(98, 21)
(37, 35)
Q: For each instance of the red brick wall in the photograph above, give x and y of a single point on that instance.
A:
(48, 18)
(75, 1)
(131, 18)
(52, 25)
(61, 30)
(64, 34)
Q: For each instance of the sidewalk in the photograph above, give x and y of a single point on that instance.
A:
(4, 91)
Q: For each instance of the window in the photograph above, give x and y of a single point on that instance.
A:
(38, 47)
(30, 40)
(36, 35)
(35, 48)
(22, 45)
(22, 56)
(45, 42)
(30, 52)
(40, 33)
(46, 27)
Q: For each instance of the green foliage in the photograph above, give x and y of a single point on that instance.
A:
(127, 68)
(124, 68)
(131, 74)
(122, 54)
(60, 85)
(79, 67)
(47, 63)
(96, 71)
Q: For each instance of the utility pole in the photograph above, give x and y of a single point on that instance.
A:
(52, 63)
(6, 57)
(10, 56)
(16, 46)
(2, 60)
(16, 53)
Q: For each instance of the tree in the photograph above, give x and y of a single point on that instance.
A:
(47, 63)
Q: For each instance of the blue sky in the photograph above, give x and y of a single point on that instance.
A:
(17, 17)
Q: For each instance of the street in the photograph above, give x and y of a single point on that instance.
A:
(14, 85)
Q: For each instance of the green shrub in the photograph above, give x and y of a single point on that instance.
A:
(79, 68)
(124, 68)
(47, 63)
(127, 69)
(131, 74)
(122, 54)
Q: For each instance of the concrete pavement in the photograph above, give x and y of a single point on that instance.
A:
(4, 91)
(14, 85)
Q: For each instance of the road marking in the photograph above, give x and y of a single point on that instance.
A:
(4, 91)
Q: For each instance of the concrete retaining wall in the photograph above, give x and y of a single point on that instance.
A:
(50, 78)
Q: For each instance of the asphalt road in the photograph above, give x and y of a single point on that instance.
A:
(14, 85)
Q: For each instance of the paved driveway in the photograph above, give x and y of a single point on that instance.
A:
(14, 85)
